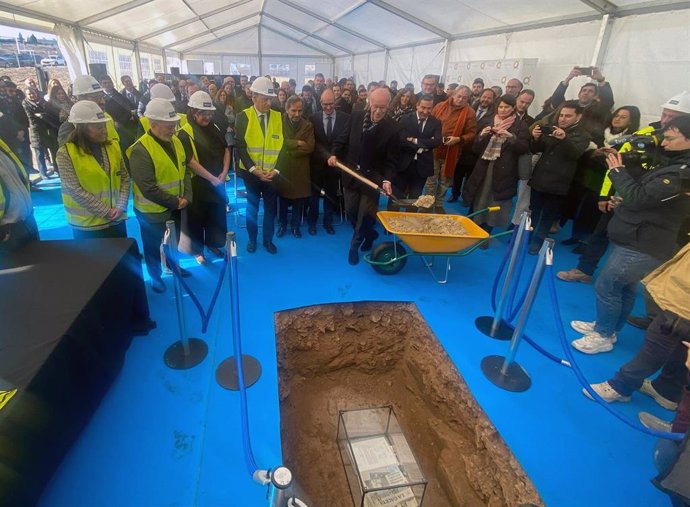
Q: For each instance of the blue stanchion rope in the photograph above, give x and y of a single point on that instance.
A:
(204, 314)
(583, 380)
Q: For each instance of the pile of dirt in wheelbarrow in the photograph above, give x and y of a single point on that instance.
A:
(421, 224)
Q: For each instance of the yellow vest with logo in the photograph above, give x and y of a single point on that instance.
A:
(170, 178)
(606, 185)
(146, 123)
(187, 127)
(263, 148)
(20, 166)
(93, 179)
(110, 127)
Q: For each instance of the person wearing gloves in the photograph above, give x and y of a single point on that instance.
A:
(87, 88)
(161, 91)
(161, 183)
(259, 141)
(205, 223)
(95, 181)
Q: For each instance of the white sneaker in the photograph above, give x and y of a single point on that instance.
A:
(607, 393)
(654, 423)
(593, 343)
(585, 327)
(648, 389)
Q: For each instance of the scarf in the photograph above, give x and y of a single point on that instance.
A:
(609, 136)
(400, 111)
(452, 153)
(493, 149)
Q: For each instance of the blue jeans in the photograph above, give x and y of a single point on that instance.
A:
(616, 287)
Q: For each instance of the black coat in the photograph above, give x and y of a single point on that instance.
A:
(428, 139)
(556, 167)
(653, 208)
(43, 125)
(376, 152)
(505, 171)
(325, 147)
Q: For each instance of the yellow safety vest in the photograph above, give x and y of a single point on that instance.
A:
(146, 123)
(25, 176)
(110, 127)
(170, 178)
(93, 179)
(187, 127)
(606, 185)
(263, 148)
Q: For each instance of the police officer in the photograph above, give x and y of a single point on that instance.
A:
(95, 181)
(259, 140)
(161, 182)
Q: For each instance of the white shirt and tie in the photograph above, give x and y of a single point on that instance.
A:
(328, 124)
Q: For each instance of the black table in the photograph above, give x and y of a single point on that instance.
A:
(67, 311)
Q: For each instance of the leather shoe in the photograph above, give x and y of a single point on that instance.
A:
(353, 256)
(369, 241)
(312, 230)
(143, 328)
(296, 232)
(281, 232)
(329, 229)
(251, 247)
(641, 322)
(157, 285)
(270, 247)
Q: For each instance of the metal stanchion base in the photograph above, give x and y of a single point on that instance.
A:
(176, 359)
(516, 380)
(226, 374)
(505, 330)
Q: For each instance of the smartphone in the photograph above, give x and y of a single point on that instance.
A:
(546, 130)
(446, 140)
(585, 71)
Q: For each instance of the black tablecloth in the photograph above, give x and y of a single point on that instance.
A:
(66, 314)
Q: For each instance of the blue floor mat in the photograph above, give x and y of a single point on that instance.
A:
(163, 437)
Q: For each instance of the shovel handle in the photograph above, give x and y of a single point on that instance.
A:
(355, 174)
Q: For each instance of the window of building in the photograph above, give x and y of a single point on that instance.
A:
(145, 68)
(98, 56)
(157, 64)
(309, 72)
(278, 70)
(125, 63)
(240, 69)
(208, 67)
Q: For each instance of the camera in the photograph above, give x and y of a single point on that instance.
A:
(547, 130)
(644, 149)
(585, 71)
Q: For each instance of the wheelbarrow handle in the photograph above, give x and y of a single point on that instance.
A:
(485, 210)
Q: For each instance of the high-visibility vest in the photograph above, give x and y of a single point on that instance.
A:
(24, 175)
(606, 184)
(146, 123)
(187, 127)
(170, 178)
(263, 148)
(93, 179)
(110, 127)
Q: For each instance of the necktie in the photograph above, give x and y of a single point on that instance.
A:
(329, 127)
(262, 120)
(421, 125)
(480, 113)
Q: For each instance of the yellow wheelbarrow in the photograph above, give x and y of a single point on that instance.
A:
(390, 257)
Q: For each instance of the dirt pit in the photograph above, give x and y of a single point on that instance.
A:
(418, 223)
(365, 355)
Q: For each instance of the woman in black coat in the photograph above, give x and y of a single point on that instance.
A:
(501, 140)
(43, 128)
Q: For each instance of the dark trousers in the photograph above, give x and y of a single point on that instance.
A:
(151, 237)
(204, 224)
(256, 189)
(16, 235)
(463, 170)
(681, 422)
(662, 348)
(596, 245)
(118, 230)
(546, 209)
(361, 206)
(326, 179)
(408, 184)
(297, 206)
(585, 212)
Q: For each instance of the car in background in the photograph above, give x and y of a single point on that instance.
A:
(53, 60)
(8, 61)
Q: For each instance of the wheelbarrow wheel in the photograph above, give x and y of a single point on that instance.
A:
(384, 253)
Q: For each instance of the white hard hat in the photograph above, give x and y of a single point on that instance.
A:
(162, 91)
(161, 109)
(263, 86)
(201, 100)
(84, 85)
(86, 111)
(680, 103)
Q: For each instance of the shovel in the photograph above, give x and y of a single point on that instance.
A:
(403, 203)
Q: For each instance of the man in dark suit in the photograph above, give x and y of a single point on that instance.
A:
(129, 92)
(420, 133)
(330, 127)
(373, 151)
(117, 106)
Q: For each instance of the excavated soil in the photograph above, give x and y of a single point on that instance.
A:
(365, 355)
(418, 223)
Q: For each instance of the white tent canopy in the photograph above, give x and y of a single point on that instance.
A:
(640, 43)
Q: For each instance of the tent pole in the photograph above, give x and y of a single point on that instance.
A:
(261, 70)
(602, 43)
(137, 61)
(446, 56)
(82, 46)
(385, 65)
(165, 61)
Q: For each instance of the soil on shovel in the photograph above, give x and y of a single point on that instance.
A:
(366, 355)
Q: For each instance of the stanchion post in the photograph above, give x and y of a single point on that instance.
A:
(239, 365)
(496, 327)
(187, 352)
(504, 371)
